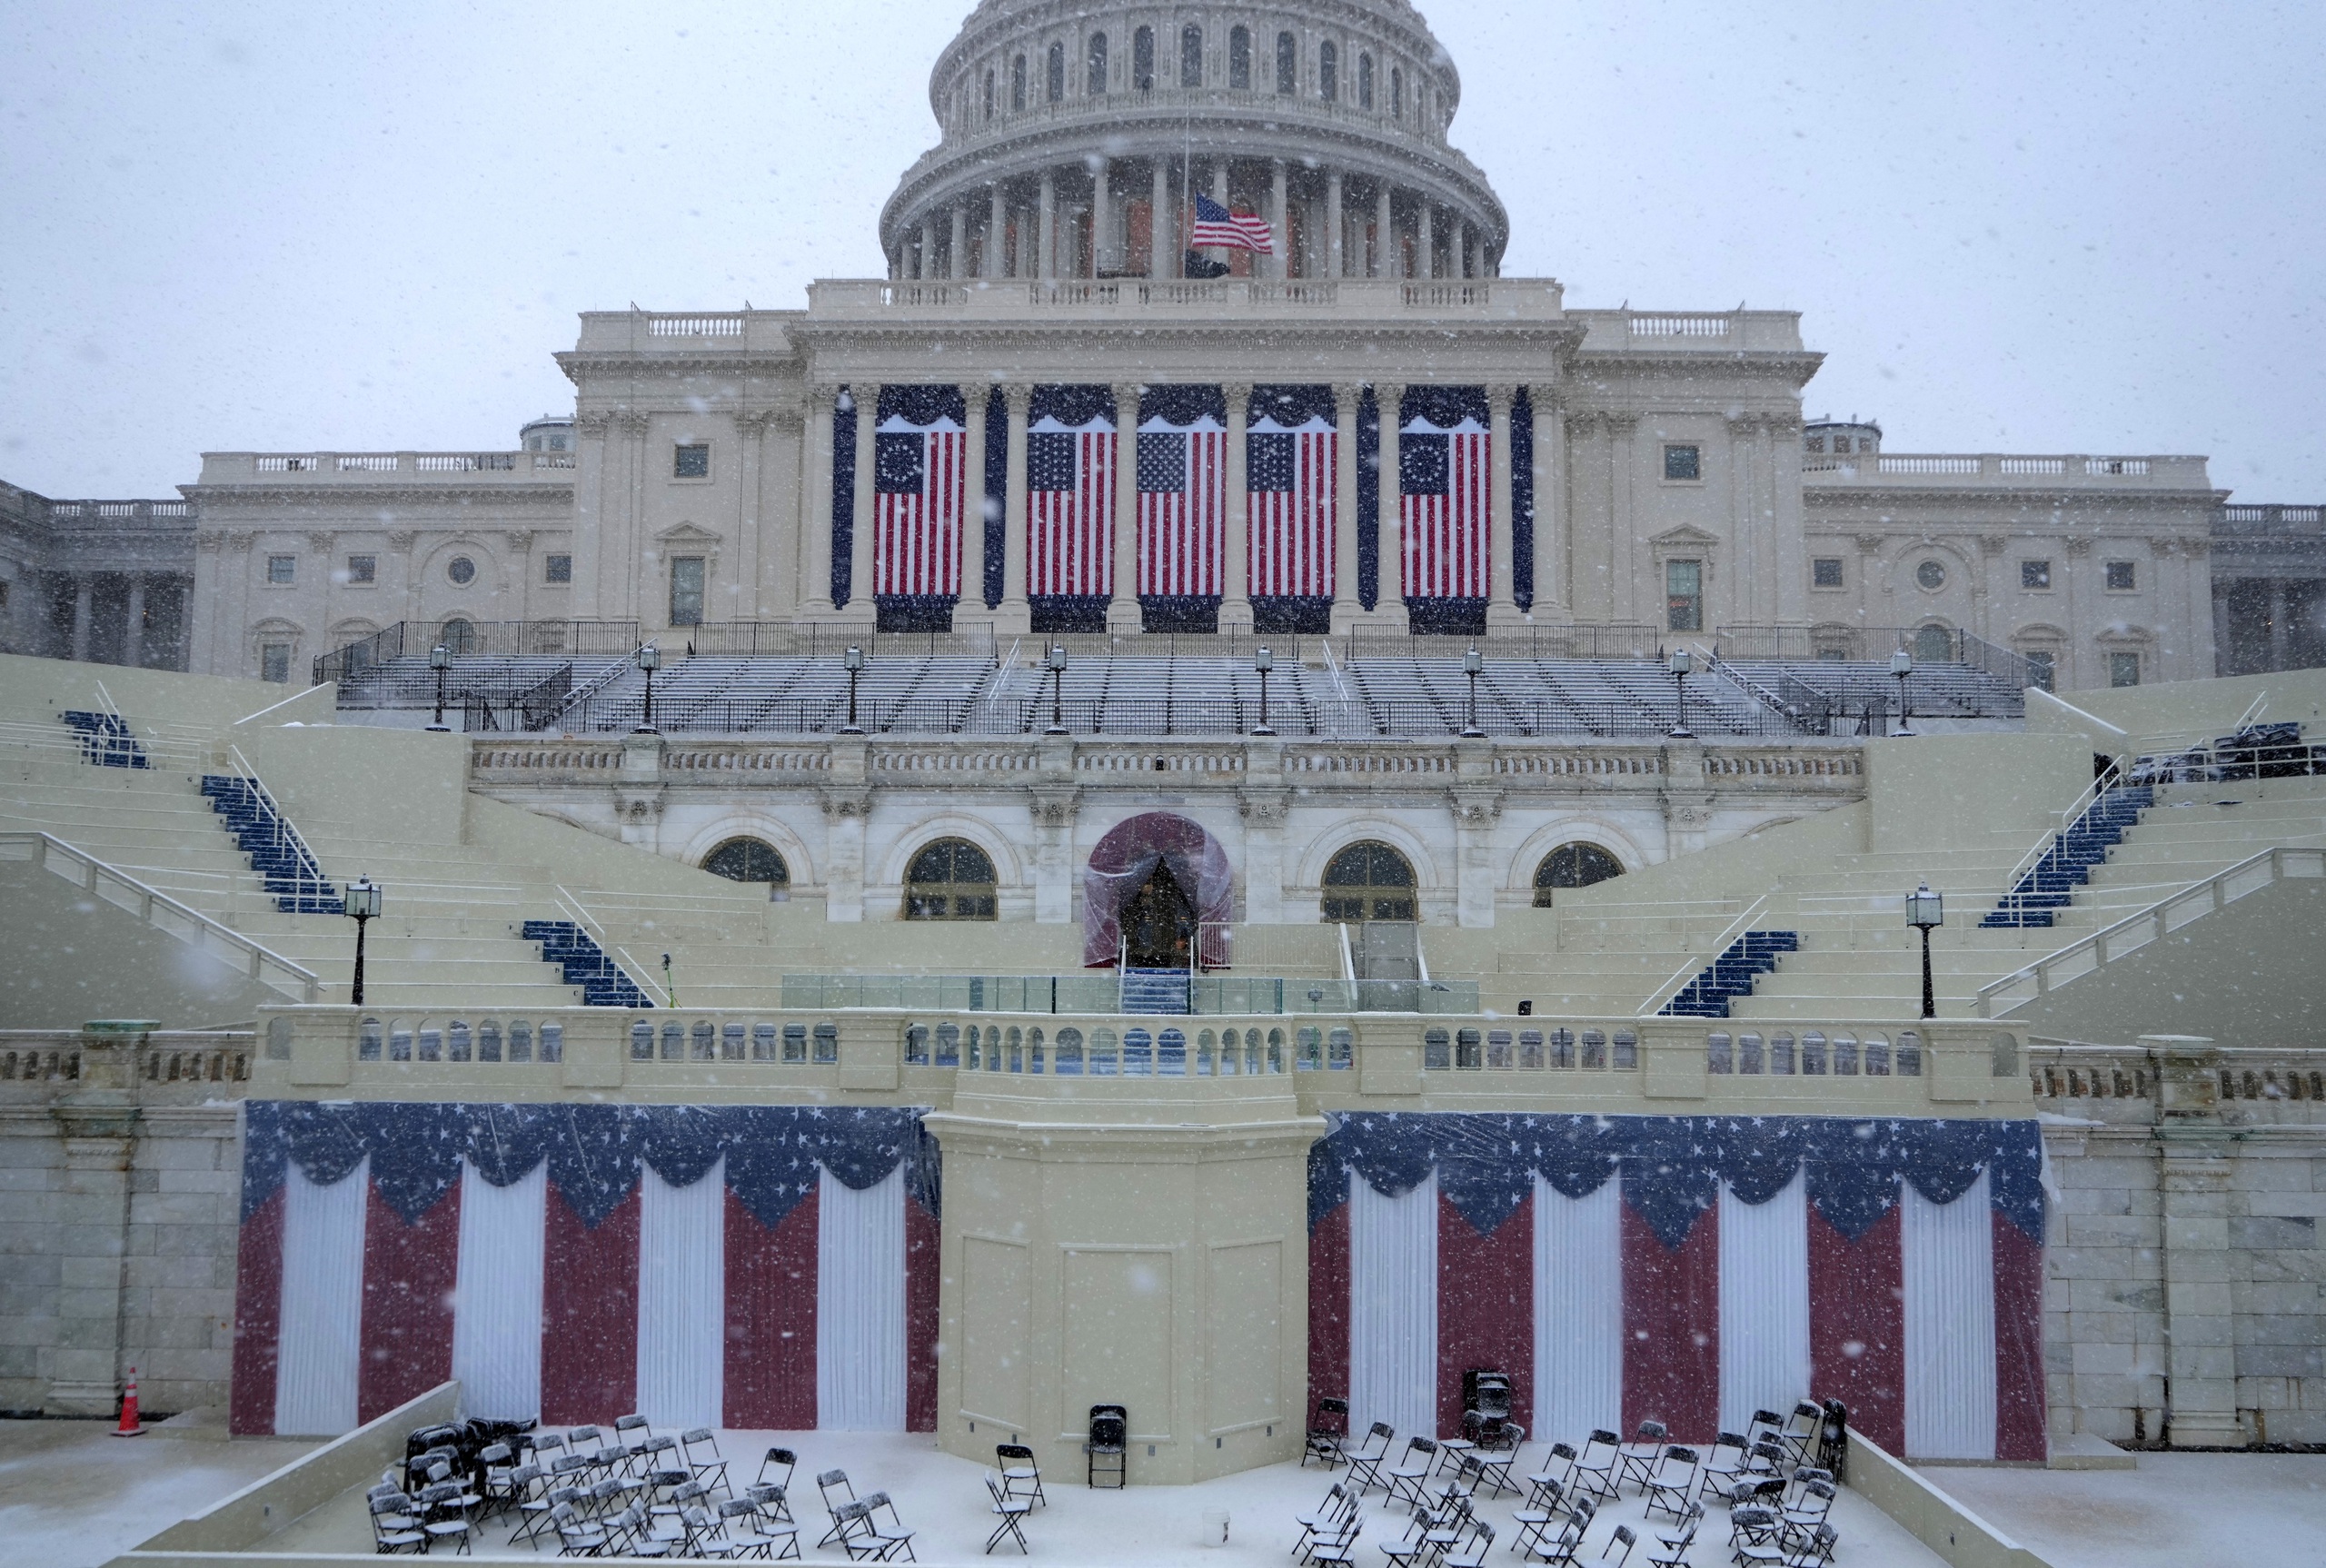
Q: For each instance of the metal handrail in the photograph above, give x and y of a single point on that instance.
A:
(260, 964)
(2073, 813)
(625, 962)
(1729, 933)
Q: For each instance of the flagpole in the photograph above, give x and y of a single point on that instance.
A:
(1187, 174)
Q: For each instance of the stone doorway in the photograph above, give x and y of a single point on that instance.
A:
(1158, 923)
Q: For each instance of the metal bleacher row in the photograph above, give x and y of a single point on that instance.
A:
(1407, 695)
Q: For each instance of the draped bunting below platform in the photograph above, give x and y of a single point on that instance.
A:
(580, 1262)
(1688, 1270)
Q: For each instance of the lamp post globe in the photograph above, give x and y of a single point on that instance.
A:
(648, 659)
(854, 662)
(1264, 660)
(440, 660)
(1054, 660)
(362, 902)
(1472, 664)
(1927, 911)
(1902, 664)
(1684, 664)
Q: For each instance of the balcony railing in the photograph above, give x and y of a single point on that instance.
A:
(2075, 469)
(373, 467)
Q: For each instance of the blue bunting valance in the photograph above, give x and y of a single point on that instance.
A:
(1671, 1166)
(594, 1152)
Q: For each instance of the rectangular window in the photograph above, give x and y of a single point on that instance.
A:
(686, 590)
(2040, 673)
(1684, 595)
(1826, 572)
(1682, 463)
(2035, 574)
(2122, 578)
(691, 461)
(274, 662)
(1814, 444)
(362, 569)
(559, 568)
(282, 569)
(1239, 58)
(1142, 60)
(1287, 62)
(1191, 57)
(2124, 670)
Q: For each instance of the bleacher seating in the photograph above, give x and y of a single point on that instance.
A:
(2050, 884)
(585, 964)
(1731, 975)
(106, 740)
(276, 852)
(1855, 688)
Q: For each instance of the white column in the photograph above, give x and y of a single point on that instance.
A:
(957, 264)
(1162, 257)
(1046, 256)
(997, 236)
(1335, 246)
(1015, 611)
(816, 487)
(1102, 214)
(133, 631)
(1280, 214)
(1345, 608)
(1235, 579)
(924, 266)
(1502, 608)
(1122, 611)
(1550, 584)
(1383, 250)
(1462, 249)
(1391, 606)
(972, 602)
(1425, 254)
(859, 557)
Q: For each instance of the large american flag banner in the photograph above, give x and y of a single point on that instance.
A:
(1291, 474)
(1444, 472)
(1182, 507)
(919, 487)
(1071, 508)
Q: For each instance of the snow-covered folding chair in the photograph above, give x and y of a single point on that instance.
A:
(1812, 1551)
(1595, 1467)
(1559, 1466)
(1535, 1516)
(1640, 1455)
(1670, 1485)
(892, 1536)
(1010, 1512)
(1807, 1511)
(1625, 1538)
(1412, 1471)
(1801, 1429)
(1365, 1462)
(577, 1536)
(1413, 1550)
(632, 1433)
(839, 1496)
(1724, 1464)
(1495, 1464)
(772, 1520)
(707, 1466)
(1671, 1549)
(1021, 1475)
(1338, 1550)
(1765, 1424)
(395, 1524)
(1327, 1433)
(776, 1469)
(536, 1515)
(1473, 1552)
(1326, 1520)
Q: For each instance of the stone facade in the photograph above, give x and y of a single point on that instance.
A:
(106, 581)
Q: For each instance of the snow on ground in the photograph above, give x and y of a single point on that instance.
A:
(72, 1495)
(2176, 1511)
(943, 1500)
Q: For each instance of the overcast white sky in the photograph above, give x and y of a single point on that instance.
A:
(2046, 227)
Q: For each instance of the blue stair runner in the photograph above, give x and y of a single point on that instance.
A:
(568, 945)
(2067, 865)
(1731, 975)
(1155, 990)
(277, 852)
(106, 740)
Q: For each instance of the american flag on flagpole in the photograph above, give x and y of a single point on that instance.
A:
(1182, 507)
(918, 487)
(1290, 480)
(1217, 228)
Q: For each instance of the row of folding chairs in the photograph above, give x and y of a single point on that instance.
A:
(857, 1527)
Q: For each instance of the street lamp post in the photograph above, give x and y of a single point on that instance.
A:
(1924, 911)
(1055, 663)
(649, 660)
(1683, 662)
(1471, 665)
(1902, 664)
(1263, 661)
(362, 905)
(854, 659)
(440, 660)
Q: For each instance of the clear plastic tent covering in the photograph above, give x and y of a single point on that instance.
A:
(1687, 1270)
(1122, 861)
(753, 1266)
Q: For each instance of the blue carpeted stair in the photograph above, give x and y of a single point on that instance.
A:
(1155, 990)
(571, 949)
(277, 852)
(106, 740)
(2050, 883)
(1731, 975)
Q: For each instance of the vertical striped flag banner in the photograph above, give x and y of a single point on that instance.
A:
(1291, 471)
(1182, 492)
(1070, 494)
(919, 490)
(1687, 1270)
(738, 1266)
(1445, 490)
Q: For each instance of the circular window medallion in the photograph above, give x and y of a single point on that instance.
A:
(1931, 574)
(462, 570)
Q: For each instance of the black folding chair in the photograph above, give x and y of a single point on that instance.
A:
(1327, 1433)
(1011, 1511)
(1107, 1448)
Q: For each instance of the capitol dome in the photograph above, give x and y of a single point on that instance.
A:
(1071, 131)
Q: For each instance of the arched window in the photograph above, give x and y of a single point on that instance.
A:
(458, 635)
(1018, 84)
(1287, 62)
(1576, 864)
(952, 879)
(1396, 93)
(1096, 84)
(1934, 645)
(1365, 81)
(1191, 56)
(1239, 58)
(1054, 77)
(988, 95)
(1142, 60)
(1368, 881)
(748, 860)
(1329, 73)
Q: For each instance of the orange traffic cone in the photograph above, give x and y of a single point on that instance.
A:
(129, 1426)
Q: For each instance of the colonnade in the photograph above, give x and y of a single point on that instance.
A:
(1364, 224)
(1541, 486)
